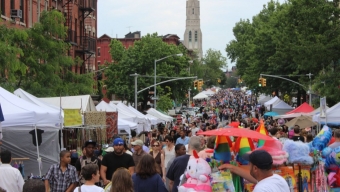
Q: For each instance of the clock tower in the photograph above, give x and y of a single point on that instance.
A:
(193, 34)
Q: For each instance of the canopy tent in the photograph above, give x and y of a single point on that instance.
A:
(122, 124)
(36, 128)
(158, 120)
(281, 107)
(200, 96)
(263, 99)
(123, 114)
(332, 116)
(290, 116)
(317, 111)
(159, 115)
(303, 108)
(271, 102)
(142, 121)
(208, 92)
(151, 121)
(33, 99)
(83, 102)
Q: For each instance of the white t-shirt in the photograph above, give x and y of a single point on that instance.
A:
(274, 183)
(89, 188)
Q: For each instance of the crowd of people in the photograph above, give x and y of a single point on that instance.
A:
(155, 161)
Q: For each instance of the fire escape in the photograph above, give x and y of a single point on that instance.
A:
(86, 40)
(71, 28)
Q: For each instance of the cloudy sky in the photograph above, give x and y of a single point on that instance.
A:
(218, 17)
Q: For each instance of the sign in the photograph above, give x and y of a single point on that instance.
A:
(323, 107)
(72, 117)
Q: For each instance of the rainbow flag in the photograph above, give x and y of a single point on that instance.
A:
(261, 129)
(222, 149)
(243, 145)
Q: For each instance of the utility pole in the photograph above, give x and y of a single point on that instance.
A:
(310, 88)
(189, 95)
(136, 76)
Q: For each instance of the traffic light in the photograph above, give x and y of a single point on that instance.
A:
(200, 84)
(195, 84)
(264, 82)
(260, 81)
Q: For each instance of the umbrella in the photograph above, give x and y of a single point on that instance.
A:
(271, 113)
(237, 132)
(302, 121)
(255, 120)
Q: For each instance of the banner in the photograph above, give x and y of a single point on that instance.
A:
(72, 117)
(95, 119)
(323, 107)
(112, 124)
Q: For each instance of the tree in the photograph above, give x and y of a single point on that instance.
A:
(10, 64)
(140, 59)
(165, 101)
(49, 69)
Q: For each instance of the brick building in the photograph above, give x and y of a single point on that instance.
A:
(230, 73)
(103, 44)
(81, 20)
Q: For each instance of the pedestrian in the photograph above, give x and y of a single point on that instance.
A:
(147, 176)
(62, 176)
(297, 136)
(35, 185)
(179, 165)
(112, 161)
(179, 151)
(90, 173)
(138, 151)
(182, 139)
(121, 181)
(10, 177)
(88, 158)
(169, 151)
(158, 156)
(261, 172)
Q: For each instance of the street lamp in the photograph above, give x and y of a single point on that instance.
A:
(156, 60)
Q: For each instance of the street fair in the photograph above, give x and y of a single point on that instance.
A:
(305, 166)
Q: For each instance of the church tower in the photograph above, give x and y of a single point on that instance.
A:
(193, 35)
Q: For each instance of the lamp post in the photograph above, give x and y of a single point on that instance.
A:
(155, 81)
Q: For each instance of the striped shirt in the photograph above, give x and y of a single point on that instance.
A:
(59, 181)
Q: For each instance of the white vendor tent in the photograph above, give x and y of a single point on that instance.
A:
(271, 102)
(123, 114)
(22, 118)
(200, 96)
(122, 124)
(83, 102)
(208, 92)
(317, 111)
(281, 107)
(263, 99)
(142, 121)
(150, 121)
(158, 120)
(159, 115)
(332, 116)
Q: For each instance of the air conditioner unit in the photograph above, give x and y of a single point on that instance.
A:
(16, 13)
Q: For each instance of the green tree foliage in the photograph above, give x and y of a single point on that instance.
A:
(165, 102)
(48, 67)
(140, 59)
(10, 64)
(293, 38)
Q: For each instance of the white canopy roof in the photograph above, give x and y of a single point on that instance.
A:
(263, 99)
(332, 115)
(151, 120)
(141, 118)
(208, 92)
(122, 124)
(18, 112)
(272, 101)
(200, 96)
(158, 120)
(282, 105)
(159, 115)
(123, 114)
(83, 102)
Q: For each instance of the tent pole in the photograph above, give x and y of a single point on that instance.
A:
(61, 128)
(36, 141)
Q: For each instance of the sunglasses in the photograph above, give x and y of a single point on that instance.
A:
(155, 145)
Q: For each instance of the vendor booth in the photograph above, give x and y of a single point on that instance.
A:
(30, 132)
(159, 115)
(200, 96)
(281, 107)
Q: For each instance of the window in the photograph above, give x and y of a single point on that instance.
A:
(193, 11)
(12, 4)
(195, 36)
(189, 36)
(98, 63)
(2, 6)
(22, 10)
(98, 52)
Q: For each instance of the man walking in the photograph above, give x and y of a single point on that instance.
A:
(138, 151)
(10, 177)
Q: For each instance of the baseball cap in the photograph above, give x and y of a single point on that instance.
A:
(137, 142)
(118, 141)
(90, 142)
(260, 158)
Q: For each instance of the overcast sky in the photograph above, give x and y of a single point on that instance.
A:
(218, 17)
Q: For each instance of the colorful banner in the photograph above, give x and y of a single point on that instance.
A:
(72, 117)
(112, 124)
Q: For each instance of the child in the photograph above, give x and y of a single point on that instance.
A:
(62, 177)
(90, 173)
